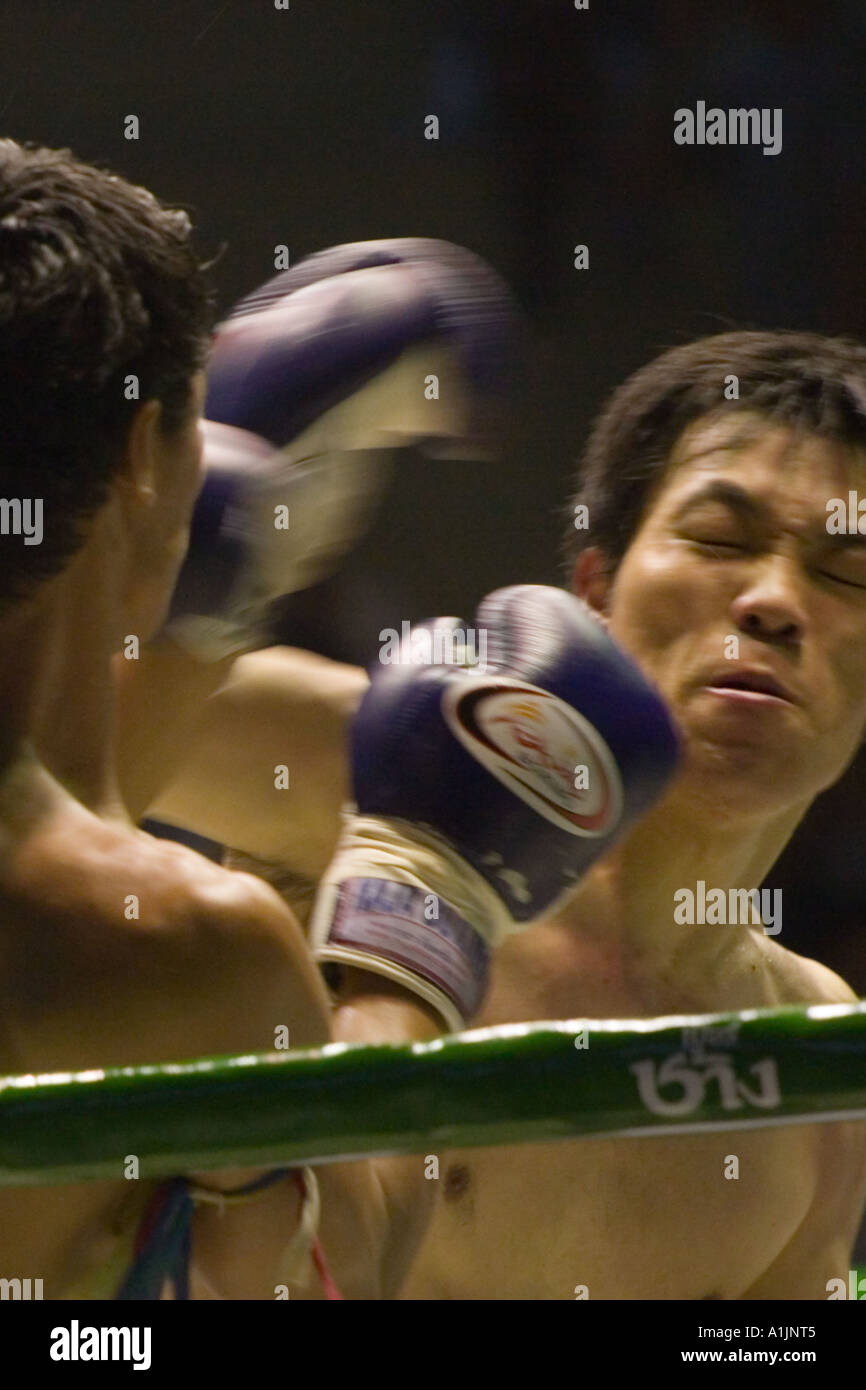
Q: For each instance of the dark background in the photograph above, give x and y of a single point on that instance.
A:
(306, 128)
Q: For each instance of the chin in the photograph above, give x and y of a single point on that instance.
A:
(744, 781)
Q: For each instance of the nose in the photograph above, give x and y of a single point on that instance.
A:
(769, 606)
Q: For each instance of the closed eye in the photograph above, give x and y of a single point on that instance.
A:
(737, 547)
(719, 545)
(850, 583)
(722, 549)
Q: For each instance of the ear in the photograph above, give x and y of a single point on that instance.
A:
(592, 580)
(140, 470)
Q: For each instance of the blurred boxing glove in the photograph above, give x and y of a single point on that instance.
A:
(313, 380)
(485, 791)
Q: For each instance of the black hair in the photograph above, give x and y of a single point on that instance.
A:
(99, 282)
(811, 383)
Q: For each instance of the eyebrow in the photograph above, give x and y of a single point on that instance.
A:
(731, 495)
(726, 446)
(752, 509)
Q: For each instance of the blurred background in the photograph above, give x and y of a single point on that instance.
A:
(305, 127)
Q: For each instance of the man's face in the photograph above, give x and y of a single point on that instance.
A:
(162, 525)
(733, 577)
(183, 472)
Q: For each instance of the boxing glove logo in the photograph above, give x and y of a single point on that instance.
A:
(532, 742)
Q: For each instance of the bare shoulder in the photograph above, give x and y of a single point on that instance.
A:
(229, 939)
(821, 1247)
(799, 979)
(842, 1145)
(138, 949)
(175, 895)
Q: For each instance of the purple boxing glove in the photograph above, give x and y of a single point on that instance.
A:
(314, 381)
(484, 792)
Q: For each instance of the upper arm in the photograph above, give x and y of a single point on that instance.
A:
(820, 1249)
(279, 709)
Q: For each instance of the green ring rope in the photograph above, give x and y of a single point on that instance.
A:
(504, 1085)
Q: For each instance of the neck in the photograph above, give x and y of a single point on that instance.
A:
(25, 789)
(73, 720)
(628, 898)
(26, 634)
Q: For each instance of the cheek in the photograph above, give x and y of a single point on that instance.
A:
(191, 471)
(180, 495)
(655, 599)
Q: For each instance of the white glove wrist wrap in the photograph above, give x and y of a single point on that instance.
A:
(398, 900)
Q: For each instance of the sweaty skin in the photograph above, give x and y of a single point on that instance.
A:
(654, 1218)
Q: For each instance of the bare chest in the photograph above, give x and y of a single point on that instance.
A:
(686, 1217)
